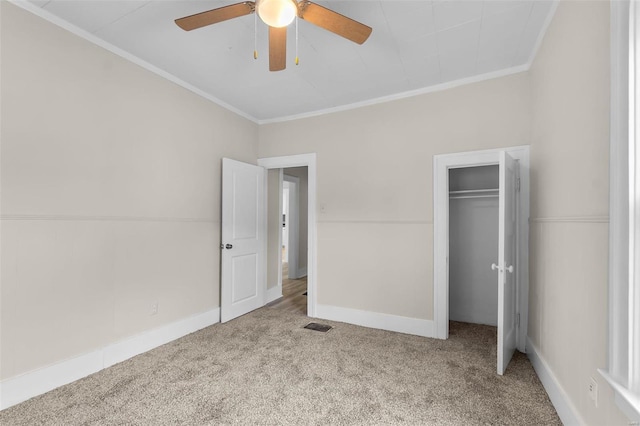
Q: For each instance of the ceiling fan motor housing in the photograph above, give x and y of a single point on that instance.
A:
(277, 13)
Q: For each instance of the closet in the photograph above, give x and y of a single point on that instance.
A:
(473, 244)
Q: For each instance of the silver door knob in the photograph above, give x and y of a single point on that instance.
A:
(495, 267)
(510, 268)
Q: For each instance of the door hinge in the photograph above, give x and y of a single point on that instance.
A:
(518, 184)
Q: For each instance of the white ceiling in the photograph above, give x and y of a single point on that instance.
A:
(414, 46)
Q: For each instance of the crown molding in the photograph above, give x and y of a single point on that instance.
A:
(42, 13)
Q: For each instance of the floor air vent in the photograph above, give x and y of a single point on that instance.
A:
(318, 327)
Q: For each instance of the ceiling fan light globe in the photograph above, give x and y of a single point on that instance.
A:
(277, 13)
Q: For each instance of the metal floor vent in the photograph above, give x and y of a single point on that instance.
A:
(318, 327)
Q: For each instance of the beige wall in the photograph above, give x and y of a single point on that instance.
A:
(569, 204)
(375, 211)
(110, 180)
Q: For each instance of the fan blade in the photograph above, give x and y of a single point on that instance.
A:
(277, 48)
(214, 16)
(334, 22)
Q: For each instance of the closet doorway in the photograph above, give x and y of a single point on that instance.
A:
(473, 244)
(481, 211)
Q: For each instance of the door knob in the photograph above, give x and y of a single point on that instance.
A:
(229, 246)
(510, 268)
(495, 267)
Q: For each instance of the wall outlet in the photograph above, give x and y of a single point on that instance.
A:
(593, 390)
(153, 310)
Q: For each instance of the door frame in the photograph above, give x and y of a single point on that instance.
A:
(294, 226)
(309, 161)
(441, 165)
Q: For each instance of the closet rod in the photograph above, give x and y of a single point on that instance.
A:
(474, 191)
(461, 197)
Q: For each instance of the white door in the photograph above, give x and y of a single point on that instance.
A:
(293, 185)
(506, 261)
(285, 221)
(243, 239)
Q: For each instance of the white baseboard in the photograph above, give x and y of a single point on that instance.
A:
(37, 382)
(274, 293)
(561, 402)
(418, 327)
(20, 388)
(302, 272)
(135, 345)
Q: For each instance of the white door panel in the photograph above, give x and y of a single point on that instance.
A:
(245, 277)
(507, 261)
(243, 238)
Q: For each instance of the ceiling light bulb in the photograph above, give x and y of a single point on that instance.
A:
(277, 13)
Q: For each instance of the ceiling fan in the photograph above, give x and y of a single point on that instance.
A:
(278, 14)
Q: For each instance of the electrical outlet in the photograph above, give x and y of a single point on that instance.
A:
(154, 308)
(593, 391)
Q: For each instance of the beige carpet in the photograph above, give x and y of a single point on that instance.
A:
(264, 368)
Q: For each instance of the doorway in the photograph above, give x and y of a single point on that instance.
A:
(304, 263)
(292, 269)
(511, 262)
(294, 199)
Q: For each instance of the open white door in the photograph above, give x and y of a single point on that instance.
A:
(506, 261)
(243, 239)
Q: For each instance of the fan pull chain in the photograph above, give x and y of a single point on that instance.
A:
(297, 60)
(255, 35)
